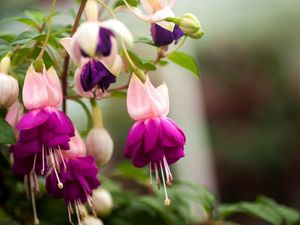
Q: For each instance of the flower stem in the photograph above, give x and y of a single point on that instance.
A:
(64, 76)
(140, 74)
(49, 25)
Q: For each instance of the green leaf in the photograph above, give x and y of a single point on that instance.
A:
(36, 15)
(186, 61)
(7, 135)
(288, 214)
(8, 37)
(143, 64)
(52, 40)
(163, 62)
(257, 210)
(198, 193)
(27, 21)
(144, 40)
(133, 3)
(23, 38)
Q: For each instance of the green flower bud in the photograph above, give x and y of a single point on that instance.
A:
(191, 26)
(197, 35)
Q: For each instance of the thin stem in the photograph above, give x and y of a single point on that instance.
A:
(138, 72)
(64, 75)
(102, 8)
(40, 56)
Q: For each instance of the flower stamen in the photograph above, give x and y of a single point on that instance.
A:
(157, 176)
(167, 201)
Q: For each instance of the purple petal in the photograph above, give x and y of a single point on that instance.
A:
(152, 133)
(104, 42)
(161, 36)
(172, 135)
(136, 133)
(174, 154)
(33, 119)
(177, 33)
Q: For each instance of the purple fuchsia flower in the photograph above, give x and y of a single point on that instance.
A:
(43, 130)
(94, 48)
(79, 176)
(156, 11)
(154, 139)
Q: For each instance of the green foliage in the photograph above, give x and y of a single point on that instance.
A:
(7, 135)
(186, 61)
(143, 64)
(144, 40)
(263, 208)
(133, 3)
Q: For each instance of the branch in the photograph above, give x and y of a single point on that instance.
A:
(64, 75)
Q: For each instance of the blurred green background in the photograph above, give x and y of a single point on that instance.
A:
(250, 86)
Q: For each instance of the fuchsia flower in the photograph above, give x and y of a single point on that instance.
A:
(94, 48)
(43, 130)
(79, 176)
(154, 139)
(163, 33)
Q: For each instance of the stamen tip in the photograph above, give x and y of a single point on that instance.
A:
(60, 185)
(167, 202)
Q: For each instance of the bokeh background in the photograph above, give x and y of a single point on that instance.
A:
(242, 117)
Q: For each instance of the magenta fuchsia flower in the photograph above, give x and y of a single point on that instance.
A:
(79, 176)
(43, 131)
(94, 48)
(154, 140)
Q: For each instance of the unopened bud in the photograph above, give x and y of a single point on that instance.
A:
(103, 202)
(5, 64)
(90, 220)
(100, 145)
(191, 26)
(197, 35)
(9, 87)
(91, 10)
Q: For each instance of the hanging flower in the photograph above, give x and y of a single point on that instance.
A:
(43, 131)
(79, 176)
(94, 48)
(156, 11)
(154, 140)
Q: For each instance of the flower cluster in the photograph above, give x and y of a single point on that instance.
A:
(48, 144)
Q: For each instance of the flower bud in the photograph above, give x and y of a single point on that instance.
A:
(9, 87)
(190, 25)
(90, 220)
(4, 66)
(103, 202)
(100, 145)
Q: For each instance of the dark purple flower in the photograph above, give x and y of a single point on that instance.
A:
(95, 74)
(162, 36)
(79, 178)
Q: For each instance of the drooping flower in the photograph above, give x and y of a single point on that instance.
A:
(90, 220)
(94, 48)
(154, 140)
(9, 87)
(156, 11)
(78, 173)
(43, 131)
(98, 141)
